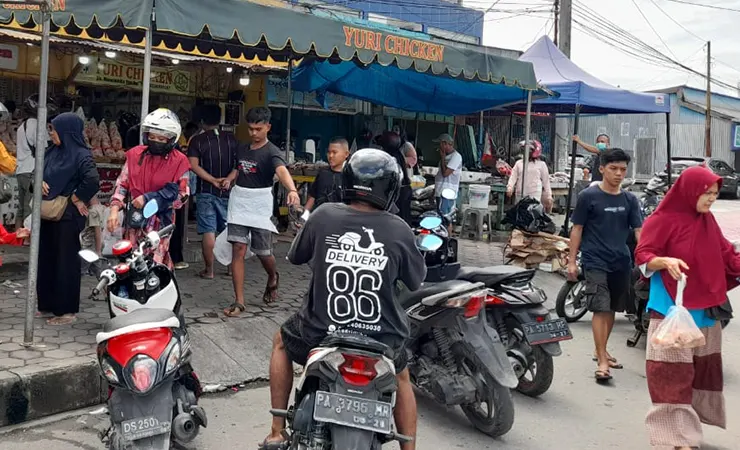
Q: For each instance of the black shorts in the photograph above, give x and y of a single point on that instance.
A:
(607, 291)
(298, 348)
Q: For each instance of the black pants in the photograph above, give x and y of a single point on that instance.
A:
(59, 277)
(178, 237)
(404, 204)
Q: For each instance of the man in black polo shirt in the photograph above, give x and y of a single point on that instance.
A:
(212, 157)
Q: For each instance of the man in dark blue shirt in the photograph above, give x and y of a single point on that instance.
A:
(212, 157)
(604, 217)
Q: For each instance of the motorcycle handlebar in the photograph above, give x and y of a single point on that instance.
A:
(166, 230)
(101, 285)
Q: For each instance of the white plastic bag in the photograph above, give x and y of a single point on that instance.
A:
(222, 250)
(678, 329)
(110, 239)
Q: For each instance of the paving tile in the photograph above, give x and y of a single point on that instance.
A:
(59, 354)
(10, 363)
(25, 354)
(10, 347)
(89, 339)
(75, 346)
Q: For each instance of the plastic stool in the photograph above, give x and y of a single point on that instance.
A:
(472, 223)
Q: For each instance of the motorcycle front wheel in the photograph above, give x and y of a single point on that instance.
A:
(569, 304)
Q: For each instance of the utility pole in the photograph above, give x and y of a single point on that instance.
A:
(566, 17)
(556, 11)
(708, 117)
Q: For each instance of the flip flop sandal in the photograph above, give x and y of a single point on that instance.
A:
(59, 321)
(602, 376)
(273, 445)
(613, 363)
(267, 297)
(231, 311)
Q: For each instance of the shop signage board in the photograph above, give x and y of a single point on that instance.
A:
(277, 95)
(110, 72)
(108, 175)
(8, 57)
(735, 137)
(379, 41)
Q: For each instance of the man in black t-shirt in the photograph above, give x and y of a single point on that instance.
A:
(256, 167)
(327, 187)
(357, 253)
(604, 217)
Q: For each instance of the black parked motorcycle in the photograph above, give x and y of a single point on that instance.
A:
(455, 355)
(514, 307)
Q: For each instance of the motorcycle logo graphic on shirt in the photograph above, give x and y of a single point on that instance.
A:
(353, 279)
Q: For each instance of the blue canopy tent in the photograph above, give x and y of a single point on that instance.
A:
(581, 92)
(407, 90)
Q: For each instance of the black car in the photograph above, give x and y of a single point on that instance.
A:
(730, 178)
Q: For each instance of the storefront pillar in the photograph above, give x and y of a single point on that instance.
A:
(289, 112)
(147, 81)
(527, 130)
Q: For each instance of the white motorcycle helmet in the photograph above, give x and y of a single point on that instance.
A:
(161, 122)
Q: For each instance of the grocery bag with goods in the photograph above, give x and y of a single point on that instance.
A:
(678, 329)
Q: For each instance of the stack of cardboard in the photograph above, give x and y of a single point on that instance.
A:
(542, 250)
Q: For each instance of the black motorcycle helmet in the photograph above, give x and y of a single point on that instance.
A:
(389, 141)
(372, 176)
(31, 107)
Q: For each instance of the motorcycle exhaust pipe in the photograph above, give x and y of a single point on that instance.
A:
(184, 427)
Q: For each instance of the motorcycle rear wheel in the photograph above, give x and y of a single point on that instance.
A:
(543, 375)
(564, 306)
(499, 417)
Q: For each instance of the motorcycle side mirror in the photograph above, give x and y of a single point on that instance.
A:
(430, 223)
(151, 208)
(449, 194)
(429, 243)
(88, 255)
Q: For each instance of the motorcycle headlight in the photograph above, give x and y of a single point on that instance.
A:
(143, 373)
(109, 372)
(173, 360)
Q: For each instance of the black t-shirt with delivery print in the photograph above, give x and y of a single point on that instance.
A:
(257, 167)
(356, 258)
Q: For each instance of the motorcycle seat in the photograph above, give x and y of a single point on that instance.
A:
(138, 320)
(493, 275)
(410, 298)
(358, 343)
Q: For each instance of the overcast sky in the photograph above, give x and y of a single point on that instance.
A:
(603, 61)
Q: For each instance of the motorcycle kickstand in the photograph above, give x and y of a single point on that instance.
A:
(632, 342)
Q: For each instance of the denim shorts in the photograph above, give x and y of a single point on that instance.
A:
(210, 212)
(445, 205)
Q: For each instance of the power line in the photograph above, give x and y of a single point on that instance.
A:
(677, 22)
(653, 28)
(702, 5)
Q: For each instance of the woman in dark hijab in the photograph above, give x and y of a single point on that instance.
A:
(69, 172)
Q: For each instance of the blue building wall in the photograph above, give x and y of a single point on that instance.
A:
(430, 13)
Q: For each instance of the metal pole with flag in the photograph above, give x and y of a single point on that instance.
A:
(41, 138)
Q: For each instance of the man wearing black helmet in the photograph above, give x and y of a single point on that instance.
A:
(356, 251)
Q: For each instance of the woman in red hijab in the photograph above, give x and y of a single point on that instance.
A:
(682, 237)
(151, 168)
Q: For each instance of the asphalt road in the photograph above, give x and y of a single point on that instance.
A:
(576, 413)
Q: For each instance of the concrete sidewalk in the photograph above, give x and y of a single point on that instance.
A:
(60, 373)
